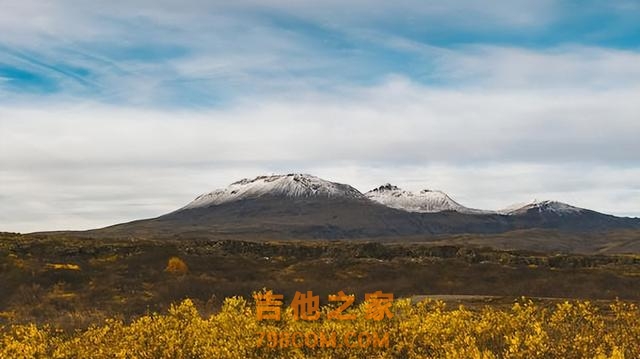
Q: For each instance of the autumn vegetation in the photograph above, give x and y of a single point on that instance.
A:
(424, 330)
(72, 297)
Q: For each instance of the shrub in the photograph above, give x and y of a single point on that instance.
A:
(176, 266)
(426, 330)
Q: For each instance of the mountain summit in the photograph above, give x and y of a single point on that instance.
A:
(546, 206)
(425, 201)
(293, 185)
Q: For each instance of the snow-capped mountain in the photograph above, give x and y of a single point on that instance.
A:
(293, 185)
(297, 206)
(545, 206)
(425, 201)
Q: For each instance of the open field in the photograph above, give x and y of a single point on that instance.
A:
(73, 282)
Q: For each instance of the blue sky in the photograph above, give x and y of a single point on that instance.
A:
(531, 98)
(211, 53)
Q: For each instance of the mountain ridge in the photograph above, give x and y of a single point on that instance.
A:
(425, 201)
(302, 185)
(305, 207)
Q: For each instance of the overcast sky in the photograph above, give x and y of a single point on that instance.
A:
(112, 111)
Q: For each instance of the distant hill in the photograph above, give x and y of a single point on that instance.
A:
(301, 206)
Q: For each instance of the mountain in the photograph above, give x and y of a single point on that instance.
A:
(425, 201)
(286, 186)
(547, 206)
(302, 206)
(299, 206)
(558, 215)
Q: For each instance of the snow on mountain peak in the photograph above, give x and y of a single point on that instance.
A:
(293, 185)
(298, 185)
(546, 206)
(385, 187)
(425, 201)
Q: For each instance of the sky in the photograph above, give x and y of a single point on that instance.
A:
(112, 111)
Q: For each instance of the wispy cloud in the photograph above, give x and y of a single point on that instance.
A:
(208, 53)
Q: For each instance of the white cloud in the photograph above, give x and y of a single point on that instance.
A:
(89, 164)
(398, 121)
(564, 67)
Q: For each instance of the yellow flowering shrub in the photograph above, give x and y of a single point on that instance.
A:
(424, 330)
